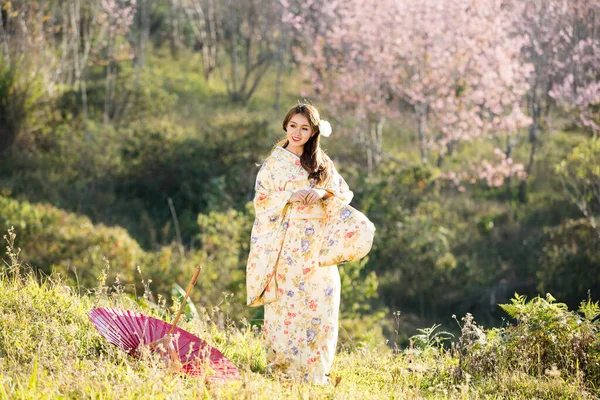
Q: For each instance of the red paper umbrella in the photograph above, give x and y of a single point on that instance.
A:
(128, 330)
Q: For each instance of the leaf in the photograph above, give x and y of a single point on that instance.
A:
(589, 309)
(190, 309)
(32, 386)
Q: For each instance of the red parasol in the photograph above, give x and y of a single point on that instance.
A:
(128, 330)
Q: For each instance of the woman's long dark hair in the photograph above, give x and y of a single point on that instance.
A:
(314, 160)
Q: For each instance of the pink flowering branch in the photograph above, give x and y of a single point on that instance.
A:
(494, 173)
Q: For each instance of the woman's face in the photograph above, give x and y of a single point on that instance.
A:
(298, 131)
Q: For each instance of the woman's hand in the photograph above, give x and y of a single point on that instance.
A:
(308, 196)
(298, 196)
(315, 194)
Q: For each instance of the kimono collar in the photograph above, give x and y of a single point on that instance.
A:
(285, 155)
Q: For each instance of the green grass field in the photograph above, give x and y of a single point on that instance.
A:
(50, 350)
(75, 199)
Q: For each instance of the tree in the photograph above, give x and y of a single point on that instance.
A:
(455, 66)
(562, 45)
(580, 175)
(30, 69)
(207, 28)
(250, 42)
(117, 17)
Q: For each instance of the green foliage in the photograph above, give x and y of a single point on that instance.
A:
(413, 245)
(139, 96)
(547, 339)
(56, 241)
(49, 349)
(430, 338)
(581, 164)
(580, 174)
(69, 244)
(19, 91)
(200, 174)
(361, 314)
(359, 288)
(223, 238)
(569, 260)
(589, 309)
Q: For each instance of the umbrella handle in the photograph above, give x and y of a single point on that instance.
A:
(192, 282)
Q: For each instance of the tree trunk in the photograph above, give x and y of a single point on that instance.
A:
(4, 41)
(533, 140)
(421, 110)
(204, 27)
(175, 30)
(139, 58)
(109, 79)
(213, 51)
(508, 153)
(142, 46)
(376, 141)
(251, 51)
(280, 57)
(82, 35)
(233, 52)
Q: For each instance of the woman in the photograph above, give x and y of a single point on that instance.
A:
(298, 191)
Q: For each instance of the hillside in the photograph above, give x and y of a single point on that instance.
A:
(49, 349)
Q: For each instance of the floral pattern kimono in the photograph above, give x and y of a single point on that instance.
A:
(301, 298)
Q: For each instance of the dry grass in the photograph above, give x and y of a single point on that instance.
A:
(49, 349)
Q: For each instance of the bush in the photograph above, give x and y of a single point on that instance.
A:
(547, 339)
(69, 244)
(19, 91)
(208, 172)
(570, 260)
(579, 173)
(56, 241)
(224, 239)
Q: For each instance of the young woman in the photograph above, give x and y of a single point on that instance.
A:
(298, 191)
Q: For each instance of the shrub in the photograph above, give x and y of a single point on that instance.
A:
(18, 94)
(547, 339)
(67, 243)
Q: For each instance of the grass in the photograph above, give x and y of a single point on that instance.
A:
(50, 350)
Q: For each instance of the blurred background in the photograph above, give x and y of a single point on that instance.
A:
(130, 132)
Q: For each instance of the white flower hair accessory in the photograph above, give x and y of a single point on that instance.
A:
(325, 128)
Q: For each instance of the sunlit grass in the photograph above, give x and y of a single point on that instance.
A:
(49, 349)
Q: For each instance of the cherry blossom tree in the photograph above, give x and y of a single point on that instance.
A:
(578, 61)
(460, 71)
(580, 89)
(454, 65)
(341, 49)
(561, 42)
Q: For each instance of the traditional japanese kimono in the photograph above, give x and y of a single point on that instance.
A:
(301, 297)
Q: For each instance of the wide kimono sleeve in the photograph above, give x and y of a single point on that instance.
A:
(270, 197)
(271, 202)
(347, 234)
(339, 188)
(341, 195)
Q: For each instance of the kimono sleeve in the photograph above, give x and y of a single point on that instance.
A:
(268, 233)
(270, 198)
(339, 188)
